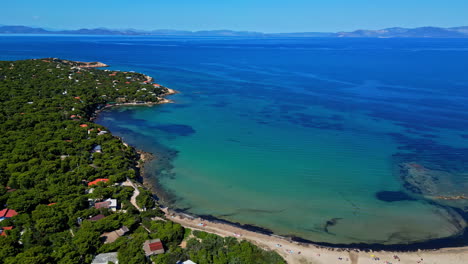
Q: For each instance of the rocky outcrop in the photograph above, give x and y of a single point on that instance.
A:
(79, 64)
(435, 184)
(91, 64)
(458, 197)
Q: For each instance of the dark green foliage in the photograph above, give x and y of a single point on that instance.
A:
(218, 250)
(171, 256)
(145, 199)
(35, 255)
(46, 155)
(187, 232)
(132, 250)
(207, 248)
(152, 213)
(170, 233)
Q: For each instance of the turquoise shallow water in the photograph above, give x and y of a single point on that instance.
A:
(286, 179)
(299, 136)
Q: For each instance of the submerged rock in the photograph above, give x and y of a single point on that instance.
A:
(393, 196)
(441, 186)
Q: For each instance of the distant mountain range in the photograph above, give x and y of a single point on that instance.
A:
(397, 32)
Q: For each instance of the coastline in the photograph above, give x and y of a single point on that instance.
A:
(316, 252)
(297, 252)
(162, 100)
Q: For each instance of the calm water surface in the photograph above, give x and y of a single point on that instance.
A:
(299, 136)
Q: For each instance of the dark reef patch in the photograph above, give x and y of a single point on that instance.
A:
(429, 136)
(329, 223)
(393, 196)
(313, 121)
(287, 108)
(219, 104)
(176, 129)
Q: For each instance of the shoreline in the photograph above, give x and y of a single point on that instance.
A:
(162, 100)
(309, 250)
(297, 252)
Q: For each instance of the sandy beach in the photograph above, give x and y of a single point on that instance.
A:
(298, 253)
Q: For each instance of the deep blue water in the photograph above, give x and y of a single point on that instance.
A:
(334, 140)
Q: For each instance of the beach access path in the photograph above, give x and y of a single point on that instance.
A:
(136, 192)
(298, 253)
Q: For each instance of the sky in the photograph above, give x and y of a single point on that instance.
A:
(270, 16)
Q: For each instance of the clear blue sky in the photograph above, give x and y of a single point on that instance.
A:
(253, 15)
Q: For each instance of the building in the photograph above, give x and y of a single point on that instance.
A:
(97, 217)
(7, 213)
(110, 237)
(97, 149)
(109, 204)
(102, 133)
(3, 229)
(153, 247)
(186, 262)
(105, 258)
(95, 182)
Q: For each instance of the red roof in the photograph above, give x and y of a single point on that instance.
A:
(97, 217)
(97, 181)
(51, 204)
(156, 246)
(7, 213)
(83, 125)
(5, 228)
(77, 97)
(104, 204)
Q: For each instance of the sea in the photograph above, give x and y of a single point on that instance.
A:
(333, 140)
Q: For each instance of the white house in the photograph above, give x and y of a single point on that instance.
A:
(106, 258)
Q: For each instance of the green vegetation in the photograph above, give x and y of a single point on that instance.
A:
(207, 248)
(47, 159)
(145, 199)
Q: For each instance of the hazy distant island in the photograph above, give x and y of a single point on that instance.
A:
(396, 32)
